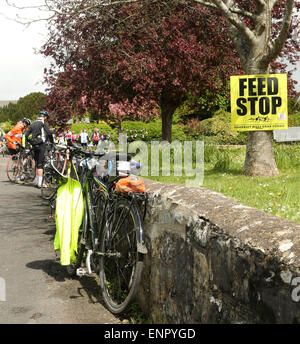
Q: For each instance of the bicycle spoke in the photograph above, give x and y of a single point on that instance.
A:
(108, 236)
(125, 235)
(121, 264)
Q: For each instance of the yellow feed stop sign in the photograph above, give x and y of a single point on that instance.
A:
(259, 102)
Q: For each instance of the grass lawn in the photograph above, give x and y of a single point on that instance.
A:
(277, 195)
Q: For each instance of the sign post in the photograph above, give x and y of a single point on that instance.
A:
(259, 102)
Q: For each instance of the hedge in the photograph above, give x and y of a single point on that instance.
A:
(150, 131)
(214, 130)
(294, 120)
(102, 126)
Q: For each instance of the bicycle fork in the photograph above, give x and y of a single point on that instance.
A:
(88, 234)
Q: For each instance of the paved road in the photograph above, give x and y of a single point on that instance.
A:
(38, 290)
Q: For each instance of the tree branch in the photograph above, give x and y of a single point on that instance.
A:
(261, 3)
(110, 3)
(231, 9)
(206, 4)
(28, 21)
(281, 38)
(272, 3)
(23, 7)
(235, 21)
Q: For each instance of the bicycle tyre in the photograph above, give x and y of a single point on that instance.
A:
(13, 168)
(29, 169)
(60, 164)
(120, 275)
(49, 186)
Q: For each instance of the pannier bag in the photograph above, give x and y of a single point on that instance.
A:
(130, 183)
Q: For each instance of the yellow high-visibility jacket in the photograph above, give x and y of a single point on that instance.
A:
(68, 217)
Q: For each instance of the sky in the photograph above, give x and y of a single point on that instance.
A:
(21, 69)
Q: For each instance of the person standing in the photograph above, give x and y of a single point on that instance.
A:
(41, 133)
(95, 137)
(74, 137)
(68, 136)
(84, 138)
(79, 136)
(14, 136)
(60, 139)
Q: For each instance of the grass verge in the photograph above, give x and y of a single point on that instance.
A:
(279, 196)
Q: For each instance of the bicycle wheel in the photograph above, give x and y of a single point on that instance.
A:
(121, 264)
(28, 169)
(49, 186)
(13, 168)
(60, 163)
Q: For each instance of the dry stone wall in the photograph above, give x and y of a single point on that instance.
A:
(213, 260)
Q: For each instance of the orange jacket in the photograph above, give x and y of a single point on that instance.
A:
(14, 136)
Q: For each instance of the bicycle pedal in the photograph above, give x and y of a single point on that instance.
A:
(81, 272)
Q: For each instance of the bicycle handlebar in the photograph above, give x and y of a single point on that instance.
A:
(104, 155)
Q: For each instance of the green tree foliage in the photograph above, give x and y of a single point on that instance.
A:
(8, 113)
(202, 107)
(219, 127)
(28, 106)
(294, 104)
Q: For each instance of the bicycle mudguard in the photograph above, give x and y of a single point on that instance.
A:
(68, 218)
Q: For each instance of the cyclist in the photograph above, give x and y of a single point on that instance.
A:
(84, 138)
(24, 142)
(95, 137)
(74, 137)
(68, 136)
(14, 136)
(41, 133)
(104, 141)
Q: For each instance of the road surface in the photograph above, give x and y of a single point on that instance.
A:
(34, 287)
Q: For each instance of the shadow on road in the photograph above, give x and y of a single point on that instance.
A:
(91, 288)
(51, 268)
(51, 232)
(59, 273)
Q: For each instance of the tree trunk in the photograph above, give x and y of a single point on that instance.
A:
(167, 111)
(253, 49)
(259, 159)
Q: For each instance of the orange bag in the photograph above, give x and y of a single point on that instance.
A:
(131, 183)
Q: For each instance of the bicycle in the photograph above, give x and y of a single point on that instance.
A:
(55, 171)
(21, 167)
(111, 237)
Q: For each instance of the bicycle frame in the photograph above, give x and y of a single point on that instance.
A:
(111, 237)
(87, 180)
(52, 157)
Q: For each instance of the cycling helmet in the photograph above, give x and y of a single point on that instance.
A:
(26, 120)
(44, 113)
